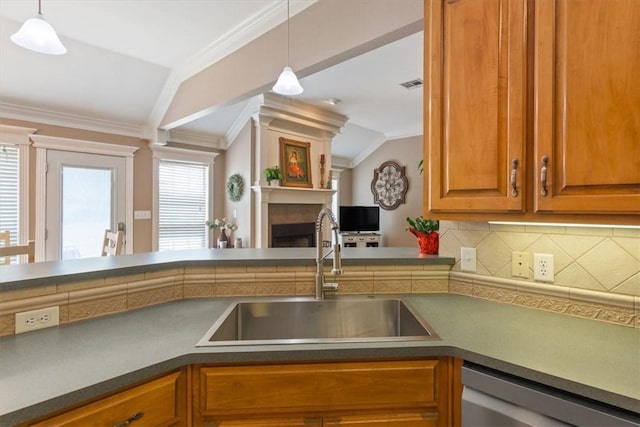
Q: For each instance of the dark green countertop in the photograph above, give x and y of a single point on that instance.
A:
(40, 273)
(46, 370)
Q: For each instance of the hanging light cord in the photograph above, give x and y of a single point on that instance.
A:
(40, 7)
(288, 63)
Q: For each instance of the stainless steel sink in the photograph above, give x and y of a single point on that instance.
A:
(295, 321)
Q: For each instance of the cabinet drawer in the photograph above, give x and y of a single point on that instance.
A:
(312, 388)
(157, 401)
(399, 419)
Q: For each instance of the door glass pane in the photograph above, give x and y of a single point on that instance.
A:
(86, 210)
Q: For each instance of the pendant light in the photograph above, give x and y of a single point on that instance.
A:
(36, 34)
(287, 83)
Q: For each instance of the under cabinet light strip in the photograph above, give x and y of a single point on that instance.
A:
(557, 224)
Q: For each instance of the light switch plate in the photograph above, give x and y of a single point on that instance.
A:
(142, 215)
(468, 259)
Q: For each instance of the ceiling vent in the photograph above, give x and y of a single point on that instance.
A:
(412, 84)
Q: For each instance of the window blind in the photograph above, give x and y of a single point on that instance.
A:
(9, 192)
(183, 190)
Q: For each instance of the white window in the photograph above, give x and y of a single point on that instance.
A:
(14, 183)
(183, 198)
(9, 191)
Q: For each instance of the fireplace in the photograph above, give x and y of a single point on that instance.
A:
(298, 235)
(284, 206)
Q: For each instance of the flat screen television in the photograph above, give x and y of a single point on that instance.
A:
(353, 219)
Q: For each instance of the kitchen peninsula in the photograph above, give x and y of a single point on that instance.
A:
(45, 371)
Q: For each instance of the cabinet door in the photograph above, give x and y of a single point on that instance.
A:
(475, 105)
(403, 419)
(587, 106)
(160, 402)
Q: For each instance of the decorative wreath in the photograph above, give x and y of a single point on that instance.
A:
(235, 187)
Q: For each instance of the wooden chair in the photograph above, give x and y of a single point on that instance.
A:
(5, 240)
(112, 244)
(29, 249)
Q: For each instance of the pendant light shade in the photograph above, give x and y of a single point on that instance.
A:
(36, 34)
(288, 83)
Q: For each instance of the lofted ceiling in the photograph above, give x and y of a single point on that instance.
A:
(126, 57)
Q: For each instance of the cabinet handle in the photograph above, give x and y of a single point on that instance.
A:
(543, 176)
(132, 418)
(514, 169)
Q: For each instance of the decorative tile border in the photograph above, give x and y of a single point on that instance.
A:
(612, 308)
(78, 301)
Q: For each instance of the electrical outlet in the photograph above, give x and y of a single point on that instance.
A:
(520, 264)
(468, 259)
(37, 319)
(543, 267)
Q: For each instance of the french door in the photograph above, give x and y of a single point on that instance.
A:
(85, 195)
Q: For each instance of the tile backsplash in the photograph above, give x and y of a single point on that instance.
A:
(591, 258)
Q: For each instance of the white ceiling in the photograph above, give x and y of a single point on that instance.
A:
(126, 57)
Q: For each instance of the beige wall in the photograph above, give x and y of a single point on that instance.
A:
(238, 159)
(142, 175)
(406, 152)
(142, 190)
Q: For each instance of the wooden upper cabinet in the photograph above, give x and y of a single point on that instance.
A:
(475, 105)
(587, 106)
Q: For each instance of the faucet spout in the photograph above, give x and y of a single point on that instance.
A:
(321, 286)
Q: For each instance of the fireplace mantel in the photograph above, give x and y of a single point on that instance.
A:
(266, 195)
(277, 194)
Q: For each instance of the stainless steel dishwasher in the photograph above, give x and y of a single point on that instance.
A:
(494, 399)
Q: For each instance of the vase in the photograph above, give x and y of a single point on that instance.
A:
(223, 240)
(428, 243)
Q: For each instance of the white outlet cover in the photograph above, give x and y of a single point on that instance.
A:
(468, 259)
(37, 319)
(543, 267)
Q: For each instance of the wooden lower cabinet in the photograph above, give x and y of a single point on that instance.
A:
(368, 393)
(159, 402)
(394, 419)
(265, 422)
(398, 393)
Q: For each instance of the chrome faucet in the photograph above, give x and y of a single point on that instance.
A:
(321, 286)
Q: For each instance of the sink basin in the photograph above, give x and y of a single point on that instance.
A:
(295, 321)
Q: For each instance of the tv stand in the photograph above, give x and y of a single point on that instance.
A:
(361, 240)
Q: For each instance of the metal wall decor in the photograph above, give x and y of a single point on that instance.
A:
(389, 185)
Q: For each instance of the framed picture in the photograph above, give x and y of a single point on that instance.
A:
(294, 158)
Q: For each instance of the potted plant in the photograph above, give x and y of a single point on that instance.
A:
(273, 174)
(426, 231)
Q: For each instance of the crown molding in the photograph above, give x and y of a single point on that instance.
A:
(252, 107)
(407, 134)
(291, 110)
(199, 139)
(340, 163)
(41, 115)
(373, 146)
